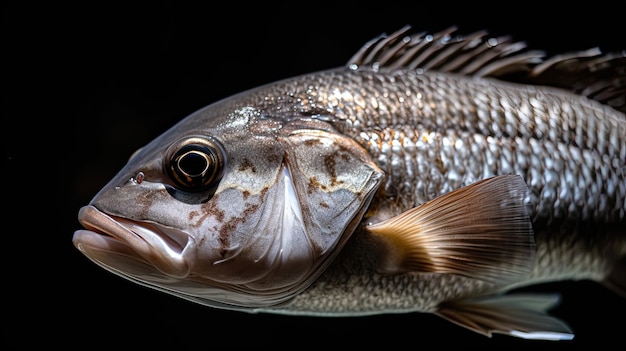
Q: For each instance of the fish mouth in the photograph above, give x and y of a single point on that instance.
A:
(130, 247)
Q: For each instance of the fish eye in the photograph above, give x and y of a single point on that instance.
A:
(195, 163)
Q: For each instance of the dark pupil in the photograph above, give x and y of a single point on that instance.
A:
(193, 163)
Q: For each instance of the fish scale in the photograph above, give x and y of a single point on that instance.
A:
(511, 129)
(432, 173)
(403, 293)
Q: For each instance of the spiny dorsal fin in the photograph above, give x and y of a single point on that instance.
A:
(480, 231)
(475, 54)
(590, 73)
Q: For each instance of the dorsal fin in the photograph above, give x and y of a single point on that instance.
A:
(601, 77)
(475, 54)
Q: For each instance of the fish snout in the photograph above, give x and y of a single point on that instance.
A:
(120, 244)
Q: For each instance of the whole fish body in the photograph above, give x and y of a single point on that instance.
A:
(432, 173)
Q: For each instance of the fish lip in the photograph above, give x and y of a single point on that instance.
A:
(151, 244)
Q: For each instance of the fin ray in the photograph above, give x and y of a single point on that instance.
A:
(598, 76)
(480, 231)
(616, 280)
(443, 51)
(520, 315)
(590, 73)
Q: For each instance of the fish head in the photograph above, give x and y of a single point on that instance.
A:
(231, 209)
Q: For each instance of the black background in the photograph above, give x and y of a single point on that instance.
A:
(86, 85)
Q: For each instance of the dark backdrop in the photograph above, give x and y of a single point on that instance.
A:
(86, 85)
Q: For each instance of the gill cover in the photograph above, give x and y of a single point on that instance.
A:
(288, 204)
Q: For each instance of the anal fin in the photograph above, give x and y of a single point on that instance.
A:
(480, 231)
(616, 280)
(519, 315)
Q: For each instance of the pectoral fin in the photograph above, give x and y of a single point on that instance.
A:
(520, 315)
(481, 231)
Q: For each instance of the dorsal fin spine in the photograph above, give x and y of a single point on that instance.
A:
(590, 73)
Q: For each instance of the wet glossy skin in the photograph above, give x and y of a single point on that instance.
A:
(304, 157)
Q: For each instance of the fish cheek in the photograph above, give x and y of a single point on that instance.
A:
(238, 230)
(243, 242)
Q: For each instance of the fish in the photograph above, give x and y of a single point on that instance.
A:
(435, 172)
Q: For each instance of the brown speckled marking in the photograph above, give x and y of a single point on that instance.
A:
(313, 185)
(245, 165)
(312, 142)
(145, 201)
(192, 215)
(439, 164)
(224, 242)
(230, 226)
(330, 162)
(208, 209)
(274, 158)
